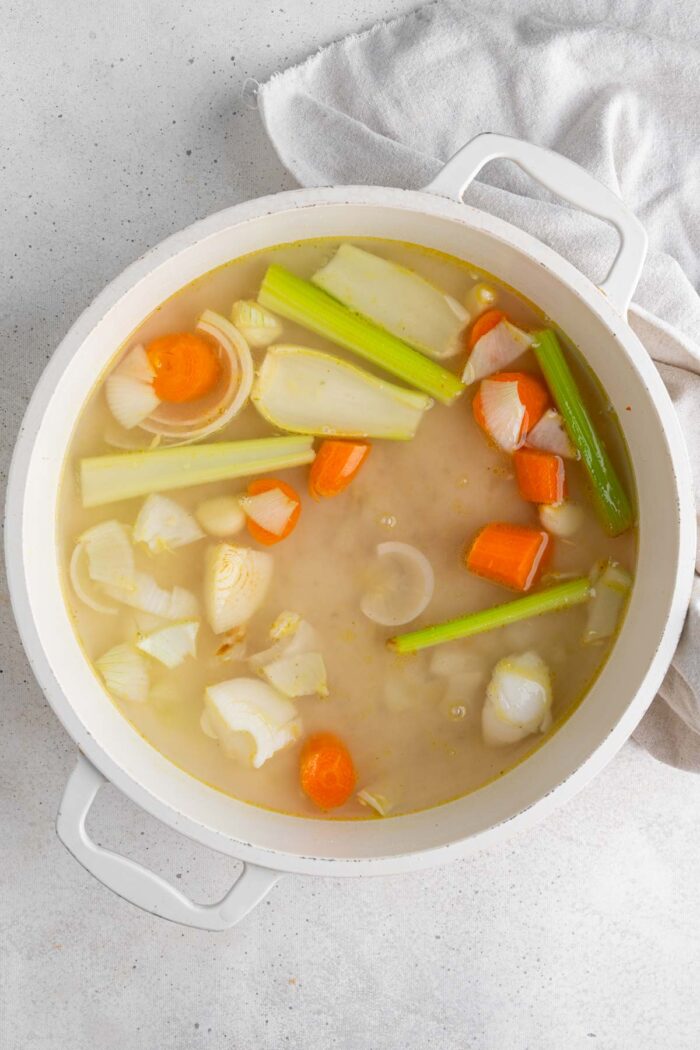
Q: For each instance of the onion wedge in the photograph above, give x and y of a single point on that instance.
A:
(172, 644)
(549, 435)
(163, 525)
(125, 673)
(504, 413)
(518, 700)
(499, 348)
(250, 720)
(236, 582)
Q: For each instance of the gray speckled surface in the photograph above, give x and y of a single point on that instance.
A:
(117, 130)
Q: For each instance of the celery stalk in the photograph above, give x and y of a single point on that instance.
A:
(563, 596)
(105, 479)
(611, 500)
(300, 301)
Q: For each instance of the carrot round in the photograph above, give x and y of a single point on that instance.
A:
(532, 393)
(541, 476)
(336, 464)
(326, 771)
(186, 366)
(512, 555)
(482, 325)
(257, 531)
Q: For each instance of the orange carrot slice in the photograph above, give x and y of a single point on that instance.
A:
(482, 325)
(512, 555)
(541, 476)
(336, 464)
(326, 771)
(266, 485)
(532, 393)
(186, 366)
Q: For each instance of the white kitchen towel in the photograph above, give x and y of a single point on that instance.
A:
(615, 87)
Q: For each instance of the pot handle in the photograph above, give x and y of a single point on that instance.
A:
(569, 181)
(137, 884)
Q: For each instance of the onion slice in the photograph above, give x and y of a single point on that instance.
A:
(178, 604)
(518, 700)
(125, 673)
(504, 413)
(270, 510)
(403, 586)
(549, 434)
(236, 582)
(129, 389)
(250, 720)
(80, 588)
(163, 525)
(497, 349)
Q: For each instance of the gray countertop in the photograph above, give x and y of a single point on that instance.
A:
(118, 129)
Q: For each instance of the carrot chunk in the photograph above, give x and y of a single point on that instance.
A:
(512, 555)
(541, 476)
(256, 530)
(326, 771)
(336, 464)
(532, 393)
(482, 325)
(186, 366)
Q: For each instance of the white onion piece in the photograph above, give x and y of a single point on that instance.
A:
(255, 323)
(221, 516)
(561, 519)
(300, 675)
(499, 348)
(611, 587)
(172, 644)
(80, 588)
(250, 719)
(549, 434)
(270, 510)
(518, 700)
(129, 389)
(163, 525)
(236, 582)
(374, 797)
(504, 413)
(292, 637)
(125, 673)
(404, 586)
(110, 554)
(178, 604)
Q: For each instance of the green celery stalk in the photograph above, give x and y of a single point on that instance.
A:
(106, 479)
(300, 301)
(611, 500)
(563, 596)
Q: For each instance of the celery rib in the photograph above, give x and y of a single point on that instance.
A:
(611, 500)
(563, 596)
(300, 301)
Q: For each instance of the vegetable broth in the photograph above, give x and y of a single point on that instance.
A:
(414, 734)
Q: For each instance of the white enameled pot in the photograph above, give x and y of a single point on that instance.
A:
(271, 843)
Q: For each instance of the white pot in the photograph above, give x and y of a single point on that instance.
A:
(271, 843)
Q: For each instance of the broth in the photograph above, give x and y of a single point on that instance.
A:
(414, 737)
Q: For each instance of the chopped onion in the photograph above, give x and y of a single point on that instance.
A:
(80, 588)
(256, 324)
(235, 584)
(221, 516)
(233, 645)
(110, 555)
(292, 637)
(178, 604)
(172, 644)
(374, 797)
(299, 675)
(612, 585)
(129, 389)
(285, 625)
(504, 413)
(270, 510)
(518, 700)
(480, 297)
(125, 673)
(250, 719)
(496, 350)
(163, 525)
(550, 435)
(403, 588)
(561, 519)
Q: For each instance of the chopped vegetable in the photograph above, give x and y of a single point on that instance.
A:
(110, 555)
(479, 298)
(256, 324)
(398, 300)
(172, 644)
(236, 581)
(221, 516)
(518, 700)
(507, 405)
(163, 525)
(483, 325)
(299, 675)
(272, 508)
(129, 389)
(285, 625)
(541, 476)
(82, 587)
(374, 797)
(403, 585)
(125, 673)
(291, 635)
(106, 479)
(512, 555)
(146, 595)
(335, 466)
(185, 366)
(299, 301)
(314, 393)
(550, 436)
(498, 344)
(611, 586)
(561, 519)
(611, 499)
(234, 644)
(326, 771)
(563, 596)
(250, 720)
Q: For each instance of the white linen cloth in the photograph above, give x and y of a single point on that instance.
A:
(615, 88)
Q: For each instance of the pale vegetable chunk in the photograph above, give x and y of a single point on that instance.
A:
(125, 673)
(221, 517)
(171, 645)
(518, 700)
(250, 720)
(504, 413)
(110, 555)
(129, 389)
(303, 674)
(236, 581)
(163, 525)
(149, 597)
(291, 635)
(495, 351)
(271, 510)
(549, 435)
(611, 587)
(561, 519)
(402, 587)
(258, 325)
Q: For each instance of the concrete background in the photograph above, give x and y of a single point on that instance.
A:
(121, 123)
